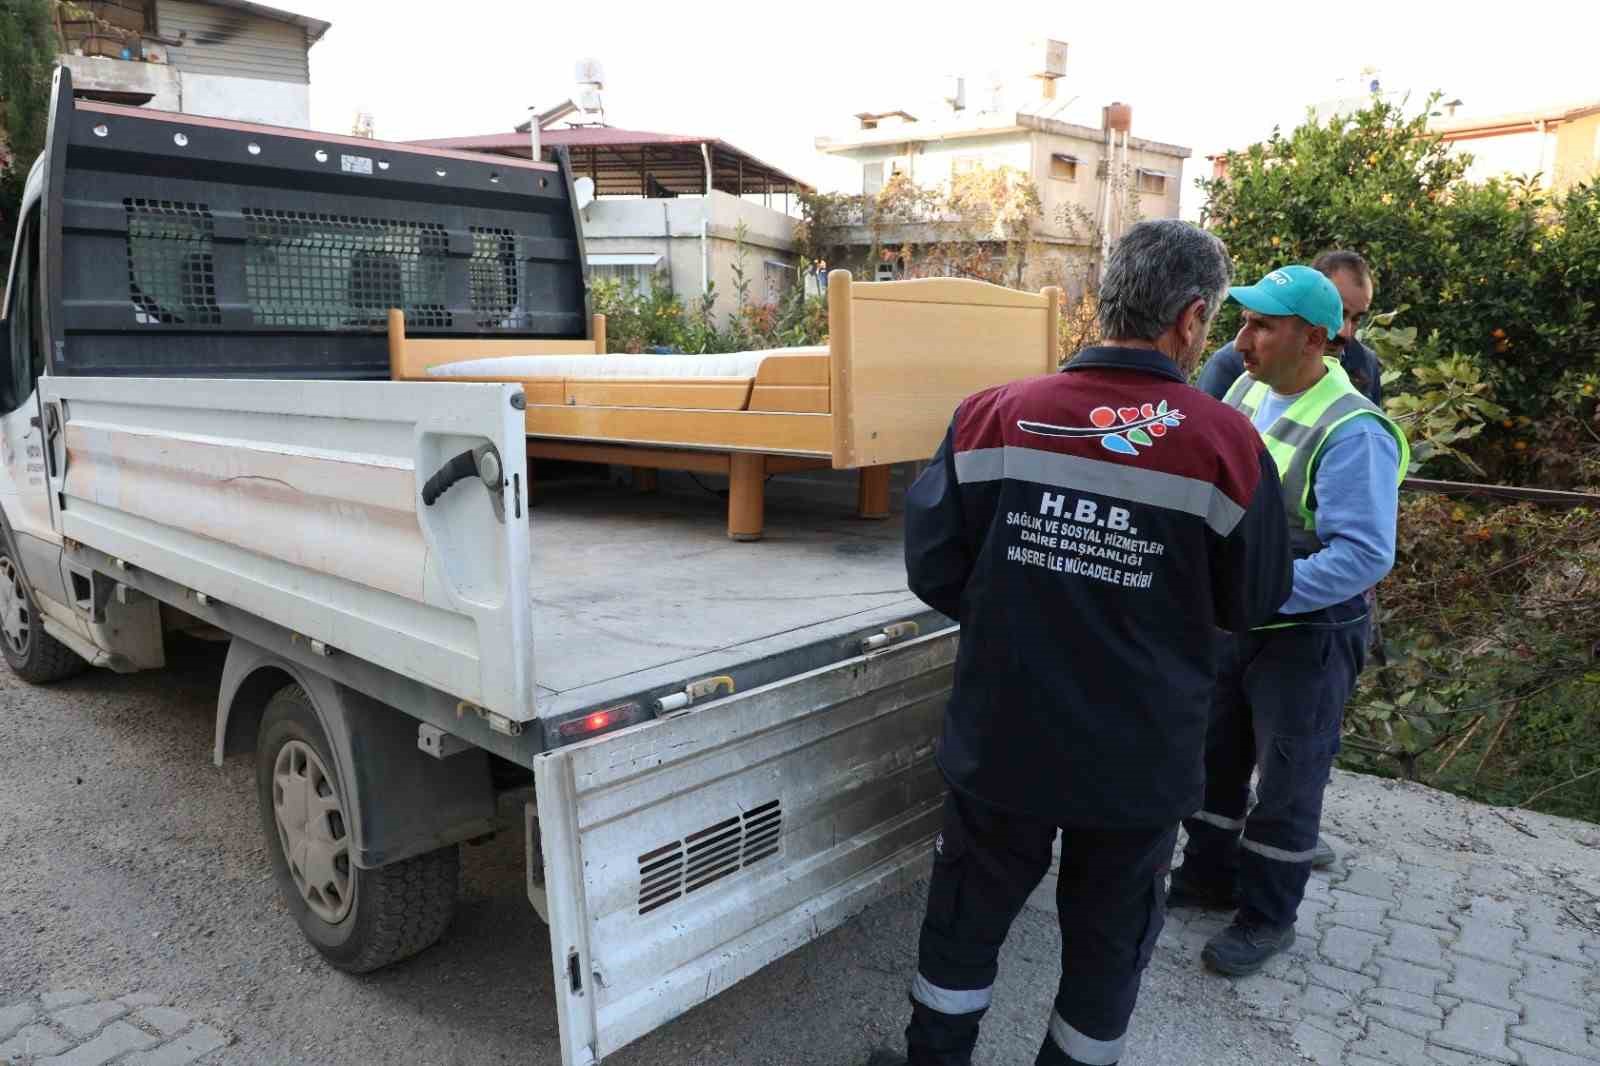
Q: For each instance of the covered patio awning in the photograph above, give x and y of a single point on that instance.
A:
(639, 163)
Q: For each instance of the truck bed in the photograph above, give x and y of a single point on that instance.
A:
(635, 592)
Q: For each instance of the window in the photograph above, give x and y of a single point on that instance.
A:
(172, 276)
(634, 278)
(965, 164)
(633, 269)
(1153, 182)
(779, 276)
(22, 321)
(872, 179)
(494, 276)
(330, 271)
(1064, 167)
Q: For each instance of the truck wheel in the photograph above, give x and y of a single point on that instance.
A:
(358, 919)
(33, 654)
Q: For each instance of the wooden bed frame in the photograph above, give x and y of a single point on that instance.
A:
(900, 356)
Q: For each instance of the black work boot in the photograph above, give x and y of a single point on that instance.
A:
(1242, 949)
(1201, 893)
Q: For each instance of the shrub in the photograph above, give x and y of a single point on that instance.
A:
(1499, 280)
(1493, 683)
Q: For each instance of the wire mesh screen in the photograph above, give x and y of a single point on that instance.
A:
(496, 279)
(341, 271)
(172, 276)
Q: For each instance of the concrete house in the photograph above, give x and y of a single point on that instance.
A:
(230, 59)
(1560, 144)
(668, 204)
(1104, 178)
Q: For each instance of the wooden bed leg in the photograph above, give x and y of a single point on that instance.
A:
(747, 475)
(644, 479)
(872, 491)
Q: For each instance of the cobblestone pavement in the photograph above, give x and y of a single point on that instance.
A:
(74, 1029)
(1450, 933)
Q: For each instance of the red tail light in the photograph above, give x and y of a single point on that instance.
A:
(586, 725)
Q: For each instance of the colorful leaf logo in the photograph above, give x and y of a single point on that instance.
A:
(1121, 429)
(1139, 426)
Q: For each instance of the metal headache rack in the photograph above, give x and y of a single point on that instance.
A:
(201, 248)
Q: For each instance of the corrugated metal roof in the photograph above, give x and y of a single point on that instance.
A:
(232, 41)
(676, 164)
(314, 27)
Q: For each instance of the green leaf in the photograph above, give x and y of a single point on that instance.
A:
(1139, 436)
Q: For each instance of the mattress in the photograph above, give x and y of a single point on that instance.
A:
(722, 365)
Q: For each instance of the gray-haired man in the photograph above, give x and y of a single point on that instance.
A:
(1088, 529)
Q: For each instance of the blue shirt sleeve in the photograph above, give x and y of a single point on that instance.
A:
(1358, 497)
(1221, 371)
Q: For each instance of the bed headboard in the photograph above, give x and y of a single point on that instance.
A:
(410, 357)
(904, 353)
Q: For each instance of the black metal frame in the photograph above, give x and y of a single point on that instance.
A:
(186, 248)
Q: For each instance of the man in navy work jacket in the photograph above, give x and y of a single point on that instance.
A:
(1352, 277)
(1089, 530)
(1282, 687)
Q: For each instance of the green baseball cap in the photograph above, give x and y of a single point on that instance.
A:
(1295, 290)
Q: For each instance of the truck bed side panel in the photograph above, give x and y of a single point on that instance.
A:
(299, 503)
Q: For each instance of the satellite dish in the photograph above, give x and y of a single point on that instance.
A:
(589, 72)
(583, 191)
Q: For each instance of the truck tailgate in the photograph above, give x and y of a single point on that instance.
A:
(682, 855)
(299, 502)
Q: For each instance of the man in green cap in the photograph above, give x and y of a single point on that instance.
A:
(1281, 688)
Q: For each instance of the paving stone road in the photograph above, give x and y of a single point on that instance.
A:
(70, 1028)
(1450, 934)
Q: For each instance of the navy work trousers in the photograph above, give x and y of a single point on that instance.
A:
(1278, 709)
(1111, 899)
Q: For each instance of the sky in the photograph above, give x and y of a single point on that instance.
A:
(770, 78)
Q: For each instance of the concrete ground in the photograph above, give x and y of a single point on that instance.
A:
(139, 924)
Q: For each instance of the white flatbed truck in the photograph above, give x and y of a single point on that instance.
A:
(726, 749)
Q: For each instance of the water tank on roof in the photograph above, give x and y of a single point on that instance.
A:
(1047, 58)
(1117, 116)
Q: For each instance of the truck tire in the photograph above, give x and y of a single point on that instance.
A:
(32, 654)
(358, 919)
